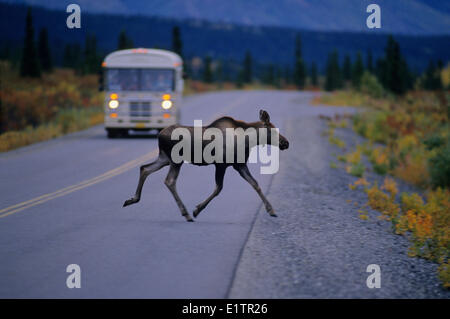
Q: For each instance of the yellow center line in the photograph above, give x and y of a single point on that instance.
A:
(95, 180)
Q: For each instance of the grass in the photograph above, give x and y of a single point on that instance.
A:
(66, 121)
(34, 110)
(409, 138)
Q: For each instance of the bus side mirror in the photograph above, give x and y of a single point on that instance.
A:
(185, 75)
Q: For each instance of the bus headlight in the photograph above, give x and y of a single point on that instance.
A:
(113, 104)
(167, 104)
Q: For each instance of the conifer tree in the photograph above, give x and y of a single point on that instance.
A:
(369, 63)
(314, 76)
(394, 73)
(347, 68)
(45, 58)
(333, 79)
(29, 65)
(299, 65)
(91, 58)
(177, 44)
(207, 71)
(124, 42)
(357, 71)
(247, 68)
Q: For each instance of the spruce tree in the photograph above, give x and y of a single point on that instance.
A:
(314, 76)
(44, 51)
(218, 74)
(394, 74)
(287, 75)
(357, 71)
(347, 68)
(124, 42)
(333, 79)
(72, 56)
(269, 76)
(91, 58)
(299, 65)
(207, 71)
(29, 64)
(432, 77)
(369, 63)
(177, 44)
(247, 68)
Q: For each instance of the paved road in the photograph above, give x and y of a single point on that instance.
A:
(61, 204)
(145, 250)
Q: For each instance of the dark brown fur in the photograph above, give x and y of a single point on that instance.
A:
(166, 144)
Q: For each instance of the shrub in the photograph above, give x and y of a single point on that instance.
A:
(357, 169)
(434, 141)
(371, 86)
(439, 167)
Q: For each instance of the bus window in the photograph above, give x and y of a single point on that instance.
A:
(157, 80)
(123, 79)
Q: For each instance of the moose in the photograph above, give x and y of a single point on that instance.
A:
(166, 144)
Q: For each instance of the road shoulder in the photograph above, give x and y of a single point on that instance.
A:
(318, 247)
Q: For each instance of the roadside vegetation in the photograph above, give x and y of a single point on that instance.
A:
(407, 136)
(38, 109)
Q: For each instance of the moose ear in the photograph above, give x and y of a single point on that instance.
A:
(264, 116)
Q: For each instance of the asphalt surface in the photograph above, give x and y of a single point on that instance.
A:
(61, 204)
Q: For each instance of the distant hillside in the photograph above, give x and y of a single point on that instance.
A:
(398, 16)
(219, 40)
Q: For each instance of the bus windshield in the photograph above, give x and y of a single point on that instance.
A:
(157, 80)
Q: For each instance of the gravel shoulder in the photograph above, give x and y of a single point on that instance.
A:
(318, 247)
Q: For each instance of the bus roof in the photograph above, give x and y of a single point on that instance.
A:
(142, 58)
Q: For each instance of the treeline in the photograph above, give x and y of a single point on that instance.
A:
(389, 72)
(36, 59)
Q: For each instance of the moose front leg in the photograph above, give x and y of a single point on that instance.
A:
(171, 182)
(220, 173)
(245, 173)
(145, 171)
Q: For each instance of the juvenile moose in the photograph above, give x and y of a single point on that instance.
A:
(166, 143)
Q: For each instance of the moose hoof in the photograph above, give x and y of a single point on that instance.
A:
(129, 202)
(196, 212)
(272, 212)
(189, 219)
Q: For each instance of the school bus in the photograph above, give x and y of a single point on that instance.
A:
(143, 90)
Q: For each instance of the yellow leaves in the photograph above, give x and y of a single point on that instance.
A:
(32, 102)
(379, 156)
(407, 142)
(390, 186)
(412, 202)
(445, 76)
(382, 202)
(403, 125)
(413, 169)
(444, 274)
(354, 157)
(359, 182)
(363, 214)
(336, 141)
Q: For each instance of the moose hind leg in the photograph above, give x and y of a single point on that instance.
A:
(220, 173)
(245, 173)
(145, 171)
(171, 182)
